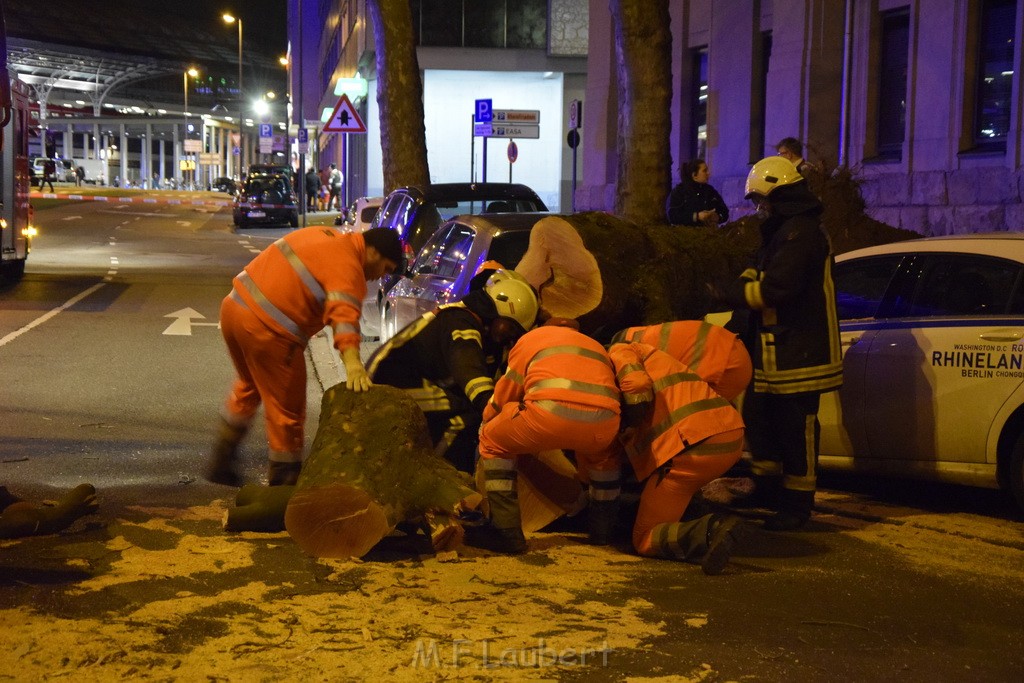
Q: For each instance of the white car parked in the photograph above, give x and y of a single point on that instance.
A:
(933, 337)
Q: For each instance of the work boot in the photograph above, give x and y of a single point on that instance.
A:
(223, 467)
(721, 539)
(602, 517)
(504, 533)
(283, 473)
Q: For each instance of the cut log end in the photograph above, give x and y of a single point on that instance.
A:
(335, 521)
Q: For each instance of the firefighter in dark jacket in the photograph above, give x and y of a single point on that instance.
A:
(447, 359)
(794, 333)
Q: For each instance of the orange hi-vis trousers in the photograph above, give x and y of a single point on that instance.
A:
(535, 426)
(271, 369)
(658, 531)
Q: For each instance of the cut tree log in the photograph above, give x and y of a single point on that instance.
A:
(371, 466)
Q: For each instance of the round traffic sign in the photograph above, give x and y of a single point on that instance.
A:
(513, 151)
(573, 138)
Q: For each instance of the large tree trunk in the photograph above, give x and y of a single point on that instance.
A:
(642, 46)
(372, 466)
(399, 94)
(610, 273)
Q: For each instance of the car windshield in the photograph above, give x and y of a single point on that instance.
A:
(274, 184)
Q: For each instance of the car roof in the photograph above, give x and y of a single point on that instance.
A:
(455, 191)
(1004, 244)
(496, 222)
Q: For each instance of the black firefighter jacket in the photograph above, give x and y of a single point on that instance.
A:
(794, 328)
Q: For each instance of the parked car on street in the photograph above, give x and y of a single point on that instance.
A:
(441, 272)
(224, 184)
(358, 217)
(266, 200)
(417, 211)
(933, 337)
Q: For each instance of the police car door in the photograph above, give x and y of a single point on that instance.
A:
(944, 359)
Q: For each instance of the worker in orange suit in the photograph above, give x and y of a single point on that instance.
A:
(678, 435)
(309, 278)
(558, 392)
(711, 351)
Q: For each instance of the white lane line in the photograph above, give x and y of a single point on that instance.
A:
(46, 316)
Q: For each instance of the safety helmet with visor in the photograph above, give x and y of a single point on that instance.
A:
(768, 174)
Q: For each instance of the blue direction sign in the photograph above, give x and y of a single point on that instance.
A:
(484, 111)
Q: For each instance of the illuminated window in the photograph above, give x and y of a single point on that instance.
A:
(995, 72)
(699, 134)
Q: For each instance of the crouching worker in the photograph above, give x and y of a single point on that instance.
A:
(678, 435)
(447, 359)
(309, 278)
(558, 392)
(714, 353)
(21, 518)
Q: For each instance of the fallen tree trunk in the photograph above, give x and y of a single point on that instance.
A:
(372, 466)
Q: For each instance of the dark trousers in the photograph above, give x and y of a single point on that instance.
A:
(783, 434)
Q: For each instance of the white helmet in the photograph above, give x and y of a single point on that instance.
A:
(513, 297)
(769, 173)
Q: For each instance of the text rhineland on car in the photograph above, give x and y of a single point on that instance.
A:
(266, 200)
(933, 337)
(447, 262)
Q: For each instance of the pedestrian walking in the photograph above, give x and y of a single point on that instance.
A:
(335, 179)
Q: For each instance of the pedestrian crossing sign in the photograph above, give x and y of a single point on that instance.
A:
(344, 118)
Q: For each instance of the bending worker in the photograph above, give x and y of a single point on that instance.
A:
(711, 351)
(448, 358)
(678, 434)
(558, 392)
(309, 278)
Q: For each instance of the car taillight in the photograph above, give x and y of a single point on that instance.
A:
(408, 253)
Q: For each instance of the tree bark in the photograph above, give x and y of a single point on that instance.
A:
(399, 95)
(372, 466)
(642, 47)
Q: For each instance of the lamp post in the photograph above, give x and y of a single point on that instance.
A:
(191, 71)
(231, 19)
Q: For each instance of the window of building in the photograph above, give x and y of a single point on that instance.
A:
(472, 23)
(758, 144)
(699, 133)
(995, 72)
(892, 83)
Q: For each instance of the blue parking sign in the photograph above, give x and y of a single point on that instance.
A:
(484, 111)
(266, 130)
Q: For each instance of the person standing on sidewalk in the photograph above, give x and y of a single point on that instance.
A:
(791, 297)
(309, 278)
(335, 179)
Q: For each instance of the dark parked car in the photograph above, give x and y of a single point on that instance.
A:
(447, 262)
(224, 184)
(266, 200)
(417, 211)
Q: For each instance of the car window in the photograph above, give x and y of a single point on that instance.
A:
(861, 284)
(963, 284)
(445, 255)
(395, 214)
(508, 248)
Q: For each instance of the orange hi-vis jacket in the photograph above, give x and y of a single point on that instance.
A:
(685, 409)
(308, 279)
(556, 365)
(701, 346)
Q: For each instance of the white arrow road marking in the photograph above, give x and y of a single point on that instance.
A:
(71, 218)
(182, 325)
(184, 223)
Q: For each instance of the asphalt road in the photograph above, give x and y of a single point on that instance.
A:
(112, 372)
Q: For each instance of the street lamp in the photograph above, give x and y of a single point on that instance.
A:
(230, 19)
(191, 71)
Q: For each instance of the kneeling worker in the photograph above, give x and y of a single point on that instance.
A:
(448, 358)
(309, 278)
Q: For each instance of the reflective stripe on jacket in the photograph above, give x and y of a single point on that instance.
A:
(557, 364)
(701, 346)
(685, 410)
(308, 279)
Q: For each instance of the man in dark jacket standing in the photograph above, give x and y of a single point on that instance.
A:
(795, 339)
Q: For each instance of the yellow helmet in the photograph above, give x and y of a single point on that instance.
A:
(513, 297)
(769, 173)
